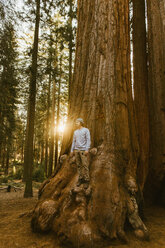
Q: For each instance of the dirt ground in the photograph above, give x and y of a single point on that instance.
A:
(15, 231)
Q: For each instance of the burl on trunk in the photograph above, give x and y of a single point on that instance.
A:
(101, 94)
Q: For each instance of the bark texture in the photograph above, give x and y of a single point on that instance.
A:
(58, 116)
(47, 127)
(101, 94)
(28, 157)
(51, 155)
(156, 43)
(141, 87)
(70, 45)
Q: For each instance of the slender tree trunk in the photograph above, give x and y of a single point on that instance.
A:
(1, 137)
(3, 157)
(28, 156)
(70, 45)
(47, 127)
(1, 153)
(39, 152)
(42, 152)
(16, 149)
(141, 87)
(156, 44)
(34, 148)
(22, 153)
(58, 115)
(50, 169)
(7, 160)
(102, 95)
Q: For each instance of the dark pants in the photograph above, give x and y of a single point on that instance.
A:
(82, 165)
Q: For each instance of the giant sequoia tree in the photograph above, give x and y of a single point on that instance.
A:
(141, 87)
(156, 44)
(101, 93)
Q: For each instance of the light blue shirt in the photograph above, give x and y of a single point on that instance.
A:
(81, 139)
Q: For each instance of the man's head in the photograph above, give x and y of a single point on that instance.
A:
(79, 122)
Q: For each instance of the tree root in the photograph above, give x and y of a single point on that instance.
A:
(84, 215)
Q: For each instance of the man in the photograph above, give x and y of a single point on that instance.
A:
(80, 147)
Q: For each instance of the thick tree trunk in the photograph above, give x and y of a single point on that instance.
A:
(101, 94)
(141, 87)
(28, 157)
(156, 44)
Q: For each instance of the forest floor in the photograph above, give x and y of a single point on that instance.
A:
(15, 231)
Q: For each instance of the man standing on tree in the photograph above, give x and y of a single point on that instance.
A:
(80, 147)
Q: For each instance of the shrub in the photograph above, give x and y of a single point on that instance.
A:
(19, 173)
(38, 174)
(3, 180)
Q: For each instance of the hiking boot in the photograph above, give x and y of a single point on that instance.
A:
(86, 185)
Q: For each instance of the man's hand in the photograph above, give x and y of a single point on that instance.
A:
(86, 152)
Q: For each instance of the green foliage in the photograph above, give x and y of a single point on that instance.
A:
(19, 173)
(8, 86)
(38, 174)
(3, 180)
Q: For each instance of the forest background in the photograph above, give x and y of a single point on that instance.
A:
(55, 56)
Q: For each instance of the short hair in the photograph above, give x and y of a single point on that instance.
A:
(80, 120)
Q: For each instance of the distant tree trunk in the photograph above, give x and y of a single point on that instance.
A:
(22, 153)
(50, 169)
(70, 44)
(7, 159)
(101, 94)
(3, 157)
(141, 87)
(39, 151)
(34, 147)
(47, 127)
(28, 156)
(58, 116)
(1, 148)
(1, 134)
(42, 152)
(0, 154)
(156, 44)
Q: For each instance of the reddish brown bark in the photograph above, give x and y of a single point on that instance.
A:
(58, 116)
(101, 94)
(156, 44)
(141, 87)
(47, 126)
(28, 156)
(52, 136)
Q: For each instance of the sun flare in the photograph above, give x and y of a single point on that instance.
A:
(61, 127)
